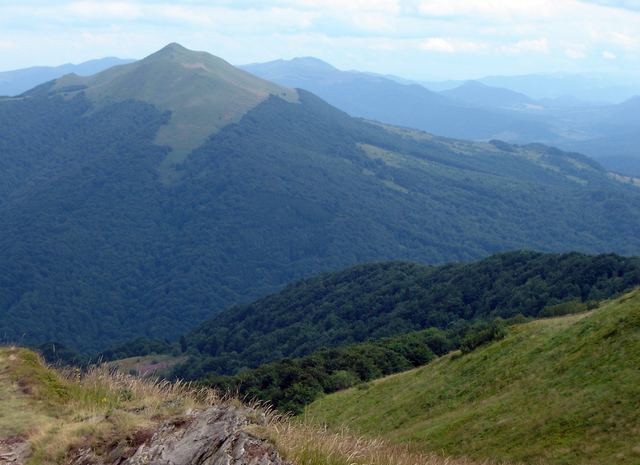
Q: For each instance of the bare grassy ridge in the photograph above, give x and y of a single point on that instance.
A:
(58, 412)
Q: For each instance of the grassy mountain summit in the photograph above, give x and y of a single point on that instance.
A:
(99, 248)
(562, 391)
(204, 93)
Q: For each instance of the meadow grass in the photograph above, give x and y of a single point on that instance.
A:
(562, 391)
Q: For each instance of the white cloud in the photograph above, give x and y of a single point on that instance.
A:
(575, 53)
(625, 41)
(442, 45)
(340, 6)
(526, 46)
(112, 10)
(607, 55)
(488, 8)
(7, 44)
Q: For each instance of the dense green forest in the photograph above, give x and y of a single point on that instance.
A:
(103, 241)
(380, 300)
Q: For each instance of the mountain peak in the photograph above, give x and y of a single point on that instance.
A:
(203, 92)
(173, 47)
(312, 62)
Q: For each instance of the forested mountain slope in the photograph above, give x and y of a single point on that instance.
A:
(140, 201)
(375, 301)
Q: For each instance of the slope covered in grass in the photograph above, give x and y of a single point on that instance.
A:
(561, 391)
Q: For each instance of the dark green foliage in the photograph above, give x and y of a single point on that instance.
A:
(380, 300)
(566, 308)
(97, 250)
(138, 347)
(482, 333)
(58, 354)
(289, 385)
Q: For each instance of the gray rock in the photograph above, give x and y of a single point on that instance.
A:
(216, 436)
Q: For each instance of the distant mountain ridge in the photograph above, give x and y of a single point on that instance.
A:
(20, 80)
(593, 89)
(477, 93)
(412, 105)
(479, 110)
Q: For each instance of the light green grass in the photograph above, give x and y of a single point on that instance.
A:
(560, 391)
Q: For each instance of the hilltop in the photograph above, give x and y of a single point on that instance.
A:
(143, 200)
(562, 391)
(202, 92)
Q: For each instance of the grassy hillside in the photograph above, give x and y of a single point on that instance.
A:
(561, 391)
(48, 417)
(379, 300)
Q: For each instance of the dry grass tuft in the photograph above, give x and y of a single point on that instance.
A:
(65, 410)
(308, 444)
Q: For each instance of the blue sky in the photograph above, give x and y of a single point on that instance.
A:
(419, 39)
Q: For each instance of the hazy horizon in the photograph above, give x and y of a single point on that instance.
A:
(421, 40)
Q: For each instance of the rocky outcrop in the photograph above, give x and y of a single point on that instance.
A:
(217, 436)
(13, 450)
